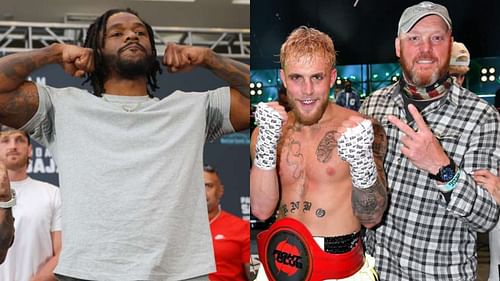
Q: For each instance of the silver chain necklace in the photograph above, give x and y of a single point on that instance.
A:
(128, 107)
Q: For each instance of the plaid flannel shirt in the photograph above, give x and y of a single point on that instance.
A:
(422, 237)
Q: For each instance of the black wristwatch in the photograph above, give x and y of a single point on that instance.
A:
(445, 173)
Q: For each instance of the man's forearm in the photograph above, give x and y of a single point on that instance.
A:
(264, 192)
(6, 232)
(472, 204)
(46, 273)
(370, 203)
(16, 67)
(237, 74)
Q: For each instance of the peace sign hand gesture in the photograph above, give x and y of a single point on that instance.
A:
(421, 147)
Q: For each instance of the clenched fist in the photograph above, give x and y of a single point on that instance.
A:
(76, 60)
(180, 58)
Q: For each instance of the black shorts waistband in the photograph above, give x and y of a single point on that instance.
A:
(341, 244)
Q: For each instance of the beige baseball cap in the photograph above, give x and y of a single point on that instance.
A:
(416, 12)
(459, 55)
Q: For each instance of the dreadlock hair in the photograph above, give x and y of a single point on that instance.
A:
(95, 40)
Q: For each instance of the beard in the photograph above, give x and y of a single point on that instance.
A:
(314, 116)
(413, 75)
(19, 163)
(130, 68)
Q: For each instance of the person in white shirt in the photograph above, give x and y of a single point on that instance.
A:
(37, 244)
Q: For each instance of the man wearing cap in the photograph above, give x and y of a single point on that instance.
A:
(438, 134)
(459, 62)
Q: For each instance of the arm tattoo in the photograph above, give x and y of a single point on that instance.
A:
(369, 204)
(379, 145)
(237, 74)
(17, 67)
(19, 99)
(325, 147)
(6, 231)
(19, 103)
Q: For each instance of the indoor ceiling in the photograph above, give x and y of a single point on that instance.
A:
(179, 13)
(365, 33)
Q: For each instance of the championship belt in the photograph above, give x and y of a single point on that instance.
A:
(288, 252)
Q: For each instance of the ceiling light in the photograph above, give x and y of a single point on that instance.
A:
(241, 2)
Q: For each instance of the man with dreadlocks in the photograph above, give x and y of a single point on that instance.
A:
(130, 165)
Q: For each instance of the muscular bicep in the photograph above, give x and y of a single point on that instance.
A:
(17, 107)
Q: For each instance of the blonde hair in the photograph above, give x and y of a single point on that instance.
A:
(307, 43)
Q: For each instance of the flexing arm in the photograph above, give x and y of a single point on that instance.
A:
(184, 58)
(6, 219)
(18, 97)
(264, 186)
(46, 273)
(363, 145)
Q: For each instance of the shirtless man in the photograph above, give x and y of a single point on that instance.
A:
(321, 162)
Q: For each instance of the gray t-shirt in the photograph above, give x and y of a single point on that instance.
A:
(131, 177)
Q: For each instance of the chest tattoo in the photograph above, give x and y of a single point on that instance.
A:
(295, 158)
(325, 148)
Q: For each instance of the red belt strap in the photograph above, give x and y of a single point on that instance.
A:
(288, 252)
